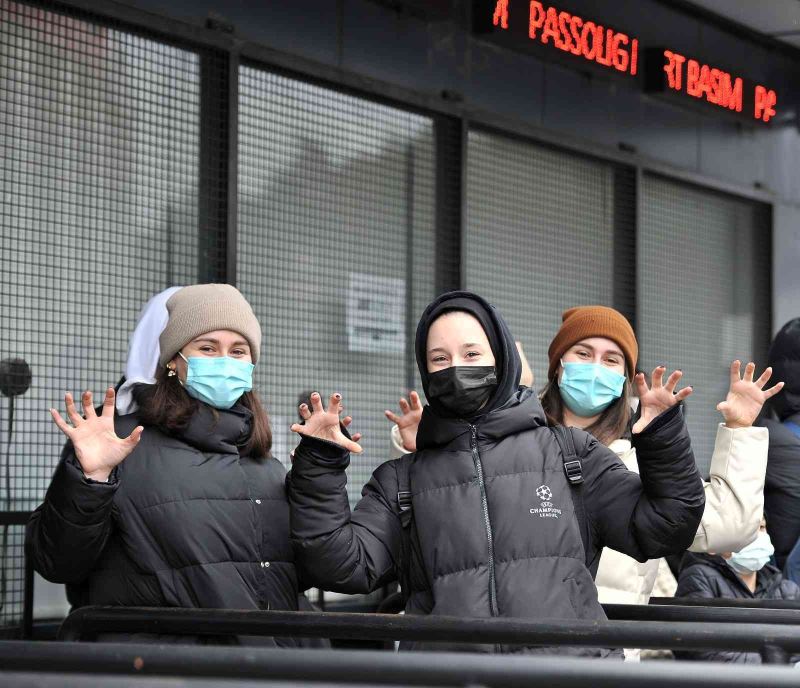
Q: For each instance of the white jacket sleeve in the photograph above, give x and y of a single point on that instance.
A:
(397, 450)
(735, 493)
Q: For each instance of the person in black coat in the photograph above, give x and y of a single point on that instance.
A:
(746, 574)
(175, 501)
(482, 520)
(782, 485)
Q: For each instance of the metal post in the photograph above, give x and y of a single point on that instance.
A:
(626, 220)
(27, 602)
(451, 156)
(410, 362)
(218, 163)
(773, 654)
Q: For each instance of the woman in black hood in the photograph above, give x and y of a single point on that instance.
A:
(465, 391)
(486, 518)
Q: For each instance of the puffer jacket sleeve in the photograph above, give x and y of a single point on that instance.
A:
(338, 550)
(699, 582)
(655, 513)
(735, 491)
(68, 532)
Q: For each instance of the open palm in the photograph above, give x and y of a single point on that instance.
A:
(746, 396)
(326, 424)
(661, 396)
(408, 420)
(96, 444)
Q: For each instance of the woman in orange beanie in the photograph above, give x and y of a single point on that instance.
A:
(590, 378)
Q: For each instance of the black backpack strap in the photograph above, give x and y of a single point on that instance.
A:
(574, 473)
(405, 513)
(404, 496)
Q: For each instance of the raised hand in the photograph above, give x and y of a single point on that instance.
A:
(408, 421)
(745, 396)
(326, 424)
(653, 401)
(96, 444)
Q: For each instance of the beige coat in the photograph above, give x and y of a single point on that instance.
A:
(734, 507)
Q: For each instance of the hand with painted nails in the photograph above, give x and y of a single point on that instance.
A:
(746, 396)
(327, 424)
(97, 447)
(408, 420)
(661, 396)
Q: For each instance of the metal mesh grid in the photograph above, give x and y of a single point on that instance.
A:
(13, 583)
(539, 235)
(335, 249)
(99, 157)
(704, 292)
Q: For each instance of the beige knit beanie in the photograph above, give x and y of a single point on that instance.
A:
(203, 308)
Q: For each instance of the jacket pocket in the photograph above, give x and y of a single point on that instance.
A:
(582, 595)
(572, 590)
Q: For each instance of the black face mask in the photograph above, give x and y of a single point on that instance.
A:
(462, 390)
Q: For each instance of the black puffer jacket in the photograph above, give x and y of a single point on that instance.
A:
(708, 576)
(184, 521)
(494, 531)
(782, 484)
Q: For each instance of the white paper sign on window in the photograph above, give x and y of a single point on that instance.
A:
(376, 314)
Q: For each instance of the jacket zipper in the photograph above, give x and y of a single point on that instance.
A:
(476, 459)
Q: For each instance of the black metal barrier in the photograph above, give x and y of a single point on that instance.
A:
(723, 602)
(122, 665)
(774, 642)
(701, 614)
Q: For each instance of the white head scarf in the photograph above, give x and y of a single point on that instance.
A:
(144, 349)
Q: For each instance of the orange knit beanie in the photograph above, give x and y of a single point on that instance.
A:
(583, 322)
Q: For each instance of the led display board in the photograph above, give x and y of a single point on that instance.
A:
(549, 29)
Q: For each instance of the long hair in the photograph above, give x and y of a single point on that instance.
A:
(166, 406)
(613, 423)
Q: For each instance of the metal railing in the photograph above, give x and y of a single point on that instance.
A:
(723, 602)
(775, 642)
(697, 613)
(108, 664)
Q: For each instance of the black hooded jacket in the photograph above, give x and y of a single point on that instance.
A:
(494, 531)
(709, 576)
(184, 521)
(782, 484)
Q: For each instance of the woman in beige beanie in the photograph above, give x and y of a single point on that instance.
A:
(190, 508)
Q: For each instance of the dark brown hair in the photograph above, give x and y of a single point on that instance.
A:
(166, 406)
(613, 423)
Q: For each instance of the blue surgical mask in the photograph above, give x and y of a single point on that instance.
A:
(589, 388)
(754, 557)
(219, 381)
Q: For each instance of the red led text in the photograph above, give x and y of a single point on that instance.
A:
(702, 81)
(766, 99)
(500, 17)
(586, 39)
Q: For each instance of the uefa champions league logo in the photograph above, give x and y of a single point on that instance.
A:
(546, 509)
